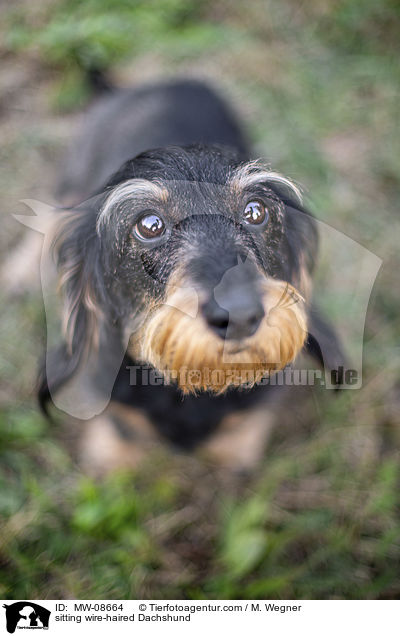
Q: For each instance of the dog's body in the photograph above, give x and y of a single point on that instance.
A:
(127, 122)
(187, 221)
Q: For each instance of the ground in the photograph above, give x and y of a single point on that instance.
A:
(318, 85)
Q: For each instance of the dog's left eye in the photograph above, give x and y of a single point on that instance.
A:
(149, 226)
(255, 213)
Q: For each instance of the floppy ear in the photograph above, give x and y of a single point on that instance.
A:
(323, 344)
(76, 250)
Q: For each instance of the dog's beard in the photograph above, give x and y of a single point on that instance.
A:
(185, 349)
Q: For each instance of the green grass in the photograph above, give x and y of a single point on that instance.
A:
(321, 518)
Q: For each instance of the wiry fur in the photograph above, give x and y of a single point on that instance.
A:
(114, 285)
(256, 171)
(174, 341)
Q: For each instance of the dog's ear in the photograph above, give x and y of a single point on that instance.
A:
(77, 253)
(76, 250)
(79, 375)
(323, 344)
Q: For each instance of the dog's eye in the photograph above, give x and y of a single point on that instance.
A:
(149, 226)
(255, 213)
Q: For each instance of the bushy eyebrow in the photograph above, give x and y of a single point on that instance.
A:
(127, 191)
(255, 172)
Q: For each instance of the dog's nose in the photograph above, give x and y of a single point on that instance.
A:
(238, 318)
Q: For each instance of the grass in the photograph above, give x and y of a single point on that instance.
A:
(319, 521)
(318, 85)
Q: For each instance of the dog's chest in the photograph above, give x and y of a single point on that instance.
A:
(185, 421)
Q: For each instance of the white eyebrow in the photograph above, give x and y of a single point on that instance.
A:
(128, 190)
(255, 172)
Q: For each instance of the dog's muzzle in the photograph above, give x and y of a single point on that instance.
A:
(247, 323)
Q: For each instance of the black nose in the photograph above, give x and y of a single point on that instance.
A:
(239, 317)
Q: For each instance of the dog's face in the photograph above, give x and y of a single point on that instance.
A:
(205, 262)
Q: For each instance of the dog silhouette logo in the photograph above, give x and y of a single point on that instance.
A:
(26, 615)
(80, 374)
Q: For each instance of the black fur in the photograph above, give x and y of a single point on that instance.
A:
(180, 132)
(184, 420)
(128, 122)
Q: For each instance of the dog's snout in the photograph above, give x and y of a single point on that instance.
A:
(216, 317)
(239, 316)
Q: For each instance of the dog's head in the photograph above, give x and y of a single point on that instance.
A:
(203, 261)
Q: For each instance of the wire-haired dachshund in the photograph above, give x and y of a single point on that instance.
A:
(186, 275)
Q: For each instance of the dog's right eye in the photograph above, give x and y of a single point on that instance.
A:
(255, 213)
(149, 226)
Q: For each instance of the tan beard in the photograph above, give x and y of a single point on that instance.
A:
(185, 349)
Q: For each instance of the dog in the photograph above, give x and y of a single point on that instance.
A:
(188, 262)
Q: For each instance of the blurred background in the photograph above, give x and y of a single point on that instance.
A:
(317, 85)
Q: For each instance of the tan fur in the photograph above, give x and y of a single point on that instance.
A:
(188, 351)
(238, 444)
(84, 294)
(304, 282)
(104, 450)
(240, 441)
